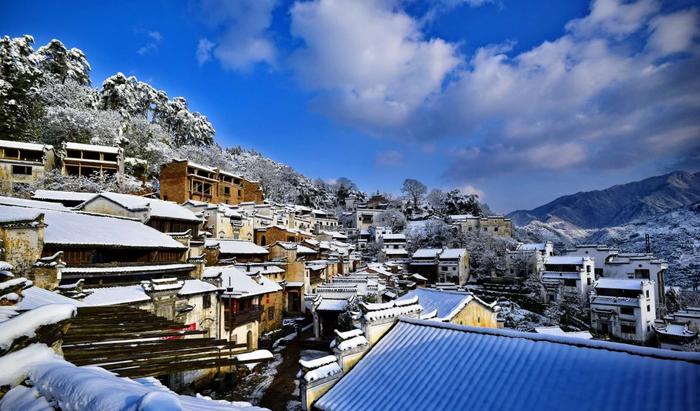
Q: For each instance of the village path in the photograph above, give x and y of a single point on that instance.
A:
(284, 388)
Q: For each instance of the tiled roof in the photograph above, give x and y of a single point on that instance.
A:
(446, 303)
(424, 365)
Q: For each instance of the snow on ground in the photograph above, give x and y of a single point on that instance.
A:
(521, 319)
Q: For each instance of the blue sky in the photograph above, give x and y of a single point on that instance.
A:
(519, 101)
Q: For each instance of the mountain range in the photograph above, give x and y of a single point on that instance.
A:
(617, 205)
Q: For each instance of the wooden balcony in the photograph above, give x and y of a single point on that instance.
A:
(244, 317)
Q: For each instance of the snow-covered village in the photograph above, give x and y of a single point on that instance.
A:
(350, 205)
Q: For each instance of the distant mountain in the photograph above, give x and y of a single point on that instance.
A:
(619, 204)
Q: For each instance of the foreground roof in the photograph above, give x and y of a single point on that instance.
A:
(421, 365)
(82, 229)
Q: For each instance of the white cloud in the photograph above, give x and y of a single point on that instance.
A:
(389, 158)
(243, 38)
(204, 48)
(470, 189)
(673, 32)
(155, 39)
(370, 60)
(616, 17)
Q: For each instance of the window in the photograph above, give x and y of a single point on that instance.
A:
(22, 170)
(73, 153)
(91, 155)
(648, 308)
(627, 310)
(227, 191)
(271, 313)
(588, 281)
(647, 293)
(628, 329)
(478, 320)
(570, 283)
(206, 301)
(11, 153)
(495, 229)
(444, 268)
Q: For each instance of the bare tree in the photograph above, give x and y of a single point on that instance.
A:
(414, 189)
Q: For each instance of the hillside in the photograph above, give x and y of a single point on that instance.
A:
(618, 205)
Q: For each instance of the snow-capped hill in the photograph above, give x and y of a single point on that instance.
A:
(619, 204)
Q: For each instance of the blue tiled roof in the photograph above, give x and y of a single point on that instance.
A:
(445, 302)
(425, 365)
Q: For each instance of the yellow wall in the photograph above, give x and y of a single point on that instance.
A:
(476, 314)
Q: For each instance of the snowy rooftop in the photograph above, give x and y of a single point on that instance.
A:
(238, 284)
(236, 247)
(21, 202)
(24, 146)
(197, 287)
(264, 269)
(27, 323)
(620, 284)
(532, 247)
(394, 237)
(328, 304)
(75, 228)
(565, 260)
(558, 331)
(116, 295)
(446, 303)
(54, 195)
(453, 253)
(92, 147)
(427, 252)
(34, 297)
(158, 208)
(509, 370)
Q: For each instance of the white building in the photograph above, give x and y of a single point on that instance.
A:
(624, 309)
(599, 252)
(453, 266)
(567, 274)
(534, 255)
(441, 265)
(639, 266)
(611, 263)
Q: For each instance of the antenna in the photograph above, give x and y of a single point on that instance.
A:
(647, 240)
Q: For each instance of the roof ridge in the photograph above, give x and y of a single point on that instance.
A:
(555, 339)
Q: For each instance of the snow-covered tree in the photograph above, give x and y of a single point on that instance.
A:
(56, 61)
(457, 202)
(414, 190)
(89, 126)
(391, 217)
(19, 79)
(436, 200)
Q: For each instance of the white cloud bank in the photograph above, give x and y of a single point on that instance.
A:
(616, 90)
(243, 40)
